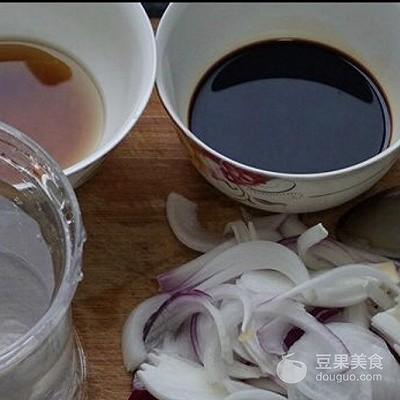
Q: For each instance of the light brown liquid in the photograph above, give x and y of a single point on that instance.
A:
(51, 98)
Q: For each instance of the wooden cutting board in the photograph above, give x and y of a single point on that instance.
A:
(129, 241)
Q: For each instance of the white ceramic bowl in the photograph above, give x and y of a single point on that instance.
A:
(113, 41)
(193, 36)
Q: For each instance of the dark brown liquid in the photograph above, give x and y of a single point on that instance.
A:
(291, 106)
(49, 97)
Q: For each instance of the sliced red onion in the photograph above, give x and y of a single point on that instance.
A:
(339, 274)
(250, 256)
(170, 378)
(238, 370)
(306, 241)
(265, 228)
(292, 226)
(229, 291)
(357, 314)
(212, 358)
(178, 308)
(295, 314)
(290, 242)
(240, 231)
(266, 282)
(329, 253)
(387, 324)
(359, 341)
(172, 301)
(203, 325)
(321, 314)
(267, 384)
(175, 279)
(347, 293)
(193, 335)
(210, 347)
(182, 218)
(210, 353)
(180, 343)
(136, 383)
(265, 361)
(272, 335)
(133, 348)
(241, 353)
(234, 311)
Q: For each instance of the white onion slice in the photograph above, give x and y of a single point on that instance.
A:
(255, 394)
(267, 384)
(379, 296)
(180, 343)
(239, 370)
(175, 280)
(250, 256)
(226, 291)
(212, 358)
(265, 361)
(340, 274)
(387, 323)
(133, 348)
(181, 308)
(233, 386)
(240, 231)
(349, 292)
(330, 253)
(182, 218)
(292, 227)
(306, 241)
(295, 314)
(266, 282)
(172, 378)
(359, 341)
(357, 314)
(272, 335)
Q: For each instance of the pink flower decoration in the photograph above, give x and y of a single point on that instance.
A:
(240, 176)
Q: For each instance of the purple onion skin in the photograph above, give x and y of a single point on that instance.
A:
(193, 335)
(141, 395)
(323, 314)
(187, 292)
(290, 243)
(320, 313)
(292, 337)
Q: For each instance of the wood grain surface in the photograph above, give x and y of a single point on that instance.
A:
(129, 241)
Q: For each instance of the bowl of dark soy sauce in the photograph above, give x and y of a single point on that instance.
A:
(284, 107)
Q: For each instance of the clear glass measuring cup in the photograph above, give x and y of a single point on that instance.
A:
(41, 240)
